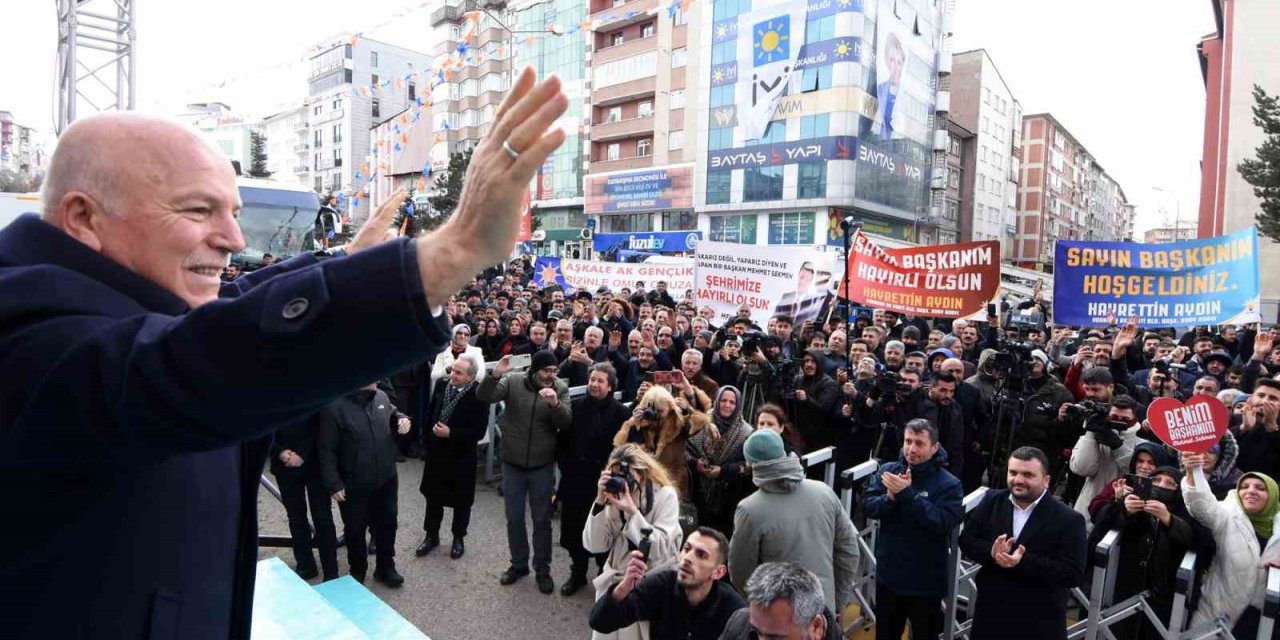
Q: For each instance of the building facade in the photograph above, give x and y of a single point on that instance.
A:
(957, 219)
(982, 102)
(1237, 56)
(1063, 194)
(287, 145)
(466, 98)
(853, 134)
(556, 193)
(21, 148)
(340, 120)
(643, 96)
(1169, 234)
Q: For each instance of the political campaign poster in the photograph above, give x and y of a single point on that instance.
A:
(942, 281)
(590, 275)
(771, 280)
(770, 36)
(1194, 282)
(1194, 427)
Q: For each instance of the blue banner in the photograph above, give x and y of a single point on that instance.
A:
(656, 241)
(1197, 282)
(546, 272)
(796, 152)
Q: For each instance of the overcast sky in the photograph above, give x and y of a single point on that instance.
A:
(1121, 76)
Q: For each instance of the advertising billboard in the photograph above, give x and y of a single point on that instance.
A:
(654, 189)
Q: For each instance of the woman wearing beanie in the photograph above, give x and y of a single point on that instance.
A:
(716, 463)
(1154, 535)
(1245, 529)
(791, 519)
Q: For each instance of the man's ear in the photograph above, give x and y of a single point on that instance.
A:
(79, 216)
(720, 572)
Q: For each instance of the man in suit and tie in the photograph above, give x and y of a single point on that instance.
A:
(1032, 551)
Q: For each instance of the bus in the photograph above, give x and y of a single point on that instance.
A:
(13, 205)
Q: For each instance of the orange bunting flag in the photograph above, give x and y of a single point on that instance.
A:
(404, 118)
(404, 138)
(531, 40)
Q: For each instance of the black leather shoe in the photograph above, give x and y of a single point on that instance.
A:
(359, 577)
(428, 543)
(389, 577)
(575, 582)
(458, 549)
(307, 573)
(545, 583)
(511, 575)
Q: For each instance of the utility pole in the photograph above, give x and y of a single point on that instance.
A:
(95, 63)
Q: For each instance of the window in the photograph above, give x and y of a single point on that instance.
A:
(413, 92)
(614, 115)
(953, 179)
(319, 138)
(675, 140)
(627, 223)
(813, 181)
(986, 124)
(720, 138)
(455, 32)
(376, 111)
(986, 95)
(644, 148)
(337, 102)
(626, 70)
(814, 126)
(791, 228)
(337, 134)
(681, 17)
(617, 39)
(319, 184)
(318, 110)
(337, 156)
(719, 185)
(739, 229)
(319, 163)
(763, 183)
(679, 221)
(613, 151)
(645, 109)
(647, 30)
(470, 88)
(679, 57)
(816, 79)
(619, 3)
(373, 59)
(955, 146)
(677, 99)
(374, 80)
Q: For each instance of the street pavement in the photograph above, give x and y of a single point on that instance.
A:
(459, 599)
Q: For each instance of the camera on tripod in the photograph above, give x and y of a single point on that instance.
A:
(751, 341)
(888, 384)
(1166, 368)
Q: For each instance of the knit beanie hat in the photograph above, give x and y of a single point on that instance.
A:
(762, 446)
(541, 360)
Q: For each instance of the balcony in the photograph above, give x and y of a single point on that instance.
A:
(446, 14)
(625, 50)
(301, 147)
(638, 162)
(619, 129)
(302, 168)
(938, 180)
(940, 140)
(943, 104)
(615, 17)
(944, 63)
(624, 91)
(300, 125)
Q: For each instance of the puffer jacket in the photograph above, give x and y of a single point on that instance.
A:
(529, 426)
(1237, 577)
(792, 519)
(1100, 464)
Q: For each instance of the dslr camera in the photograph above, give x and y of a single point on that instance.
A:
(649, 413)
(620, 480)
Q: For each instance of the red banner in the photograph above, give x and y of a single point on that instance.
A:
(944, 281)
(1191, 428)
(526, 218)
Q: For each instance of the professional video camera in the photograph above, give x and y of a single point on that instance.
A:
(1088, 409)
(1167, 368)
(1097, 421)
(888, 386)
(751, 341)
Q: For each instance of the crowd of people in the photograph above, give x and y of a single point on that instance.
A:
(690, 426)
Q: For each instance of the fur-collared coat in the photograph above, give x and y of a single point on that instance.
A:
(666, 439)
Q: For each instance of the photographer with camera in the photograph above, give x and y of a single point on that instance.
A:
(1111, 433)
(813, 402)
(637, 508)
(766, 376)
(1097, 387)
(663, 424)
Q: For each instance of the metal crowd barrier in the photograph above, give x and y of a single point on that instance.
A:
(826, 457)
(962, 593)
(864, 585)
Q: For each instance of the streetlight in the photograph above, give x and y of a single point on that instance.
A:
(1177, 216)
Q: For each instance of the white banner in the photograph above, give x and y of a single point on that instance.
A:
(772, 280)
(769, 41)
(590, 275)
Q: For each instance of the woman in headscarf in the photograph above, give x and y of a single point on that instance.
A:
(492, 341)
(1220, 466)
(1154, 535)
(1244, 526)
(517, 337)
(716, 464)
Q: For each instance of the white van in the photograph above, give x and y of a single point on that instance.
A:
(13, 205)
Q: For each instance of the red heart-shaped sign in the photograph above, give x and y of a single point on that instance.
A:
(1194, 427)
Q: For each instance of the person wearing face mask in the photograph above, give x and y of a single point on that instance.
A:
(1146, 458)
(1154, 535)
(918, 504)
(1244, 527)
(717, 465)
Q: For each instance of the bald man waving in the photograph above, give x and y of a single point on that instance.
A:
(139, 392)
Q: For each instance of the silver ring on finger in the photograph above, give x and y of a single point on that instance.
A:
(506, 146)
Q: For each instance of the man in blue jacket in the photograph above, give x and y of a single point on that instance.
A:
(139, 393)
(919, 504)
